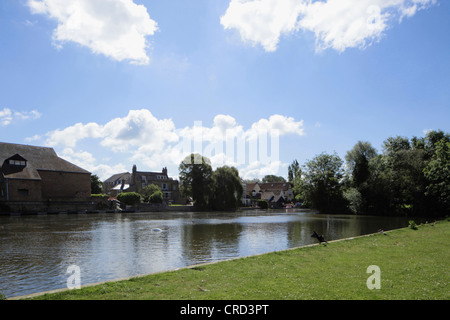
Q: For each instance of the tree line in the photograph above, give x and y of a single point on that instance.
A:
(409, 177)
(220, 189)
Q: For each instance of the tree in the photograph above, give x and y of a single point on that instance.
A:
(295, 178)
(321, 188)
(406, 182)
(196, 180)
(152, 193)
(228, 188)
(358, 174)
(357, 161)
(437, 173)
(294, 171)
(96, 184)
(273, 178)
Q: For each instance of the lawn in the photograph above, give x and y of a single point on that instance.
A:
(413, 264)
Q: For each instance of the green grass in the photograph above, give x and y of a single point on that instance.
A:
(414, 264)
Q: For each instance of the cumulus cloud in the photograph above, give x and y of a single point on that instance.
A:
(337, 24)
(155, 143)
(7, 116)
(88, 162)
(262, 21)
(138, 129)
(276, 124)
(114, 28)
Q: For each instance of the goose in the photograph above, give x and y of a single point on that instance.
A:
(320, 238)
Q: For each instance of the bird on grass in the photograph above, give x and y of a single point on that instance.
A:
(319, 237)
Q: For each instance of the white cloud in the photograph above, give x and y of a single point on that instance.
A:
(138, 129)
(259, 169)
(337, 24)
(114, 28)
(7, 116)
(71, 135)
(154, 143)
(262, 21)
(276, 124)
(87, 161)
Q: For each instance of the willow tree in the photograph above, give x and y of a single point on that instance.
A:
(228, 189)
(196, 180)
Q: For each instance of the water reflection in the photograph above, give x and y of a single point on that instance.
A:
(35, 251)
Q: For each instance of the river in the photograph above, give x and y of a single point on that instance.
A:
(36, 251)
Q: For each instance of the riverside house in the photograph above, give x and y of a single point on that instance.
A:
(31, 177)
(117, 183)
(276, 193)
(138, 180)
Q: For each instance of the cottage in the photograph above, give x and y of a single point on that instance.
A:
(276, 193)
(30, 173)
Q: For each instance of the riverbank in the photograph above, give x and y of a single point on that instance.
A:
(413, 264)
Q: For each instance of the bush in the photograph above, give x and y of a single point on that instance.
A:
(263, 204)
(99, 196)
(152, 193)
(156, 197)
(129, 198)
(412, 225)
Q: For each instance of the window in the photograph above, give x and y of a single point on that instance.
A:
(17, 163)
(23, 192)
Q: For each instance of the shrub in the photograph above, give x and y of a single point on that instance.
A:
(412, 225)
(129, 198)
(156, 197)
(152, 193)
(99, 196)
(263, 204)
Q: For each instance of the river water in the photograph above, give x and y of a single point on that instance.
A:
(36, 251)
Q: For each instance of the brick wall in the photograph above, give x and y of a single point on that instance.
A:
(65, 185)
(20, 190)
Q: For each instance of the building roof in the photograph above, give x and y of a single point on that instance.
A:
(119, 187)
(275, 186)
(38, 158)
(118, 176)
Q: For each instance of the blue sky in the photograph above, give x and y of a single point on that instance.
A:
(112, 83)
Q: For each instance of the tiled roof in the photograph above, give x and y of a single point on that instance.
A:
(38, 158)
(121, 176)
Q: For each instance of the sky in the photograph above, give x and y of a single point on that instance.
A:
(255, 84)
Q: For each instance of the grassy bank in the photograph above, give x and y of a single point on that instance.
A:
(414, 264)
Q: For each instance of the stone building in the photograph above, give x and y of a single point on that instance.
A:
(138, 180)
(169, 187)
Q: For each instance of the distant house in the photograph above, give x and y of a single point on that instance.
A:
(138, 180)
(276, 193)
(31, 173)
(117, 183)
